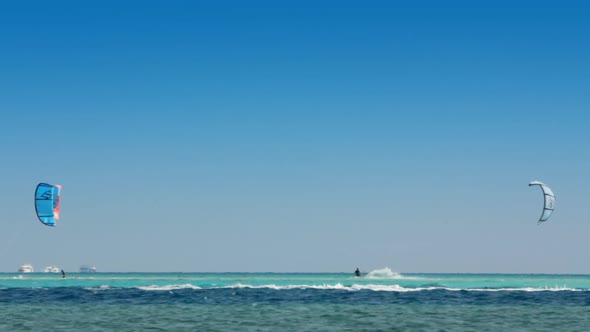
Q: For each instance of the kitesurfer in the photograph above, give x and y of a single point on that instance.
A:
(63, 274)
(357, 272)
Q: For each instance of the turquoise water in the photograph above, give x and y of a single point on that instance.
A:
(381, 301)
(380, 280)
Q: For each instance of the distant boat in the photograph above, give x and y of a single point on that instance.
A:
(87, 269)
(52, 269)
(26, 268)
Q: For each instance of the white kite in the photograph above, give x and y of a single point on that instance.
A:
(548, 200)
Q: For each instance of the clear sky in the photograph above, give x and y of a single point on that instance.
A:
(311, 136)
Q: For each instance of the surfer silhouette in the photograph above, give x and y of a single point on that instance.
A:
(63, 274)
(357, 272)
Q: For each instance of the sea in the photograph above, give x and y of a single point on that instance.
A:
(381, 300)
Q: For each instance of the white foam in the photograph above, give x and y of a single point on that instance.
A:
(276, 287)
(384, 273)
(337, 286)
(387, 273)
(398, 288)
(353, 287)
(168, 287)
(526, 289)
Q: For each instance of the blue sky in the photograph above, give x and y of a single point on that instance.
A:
(295, 137)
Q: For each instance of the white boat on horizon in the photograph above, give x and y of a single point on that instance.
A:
(87, 269)
(52, 269)
(26, 268)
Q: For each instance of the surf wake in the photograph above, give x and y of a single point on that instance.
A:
(386, 273)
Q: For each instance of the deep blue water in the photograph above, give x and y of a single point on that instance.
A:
(245, 296)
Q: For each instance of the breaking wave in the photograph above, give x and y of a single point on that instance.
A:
(168, 287)
(398, 288)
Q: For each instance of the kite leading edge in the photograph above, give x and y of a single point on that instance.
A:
(548, 200)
